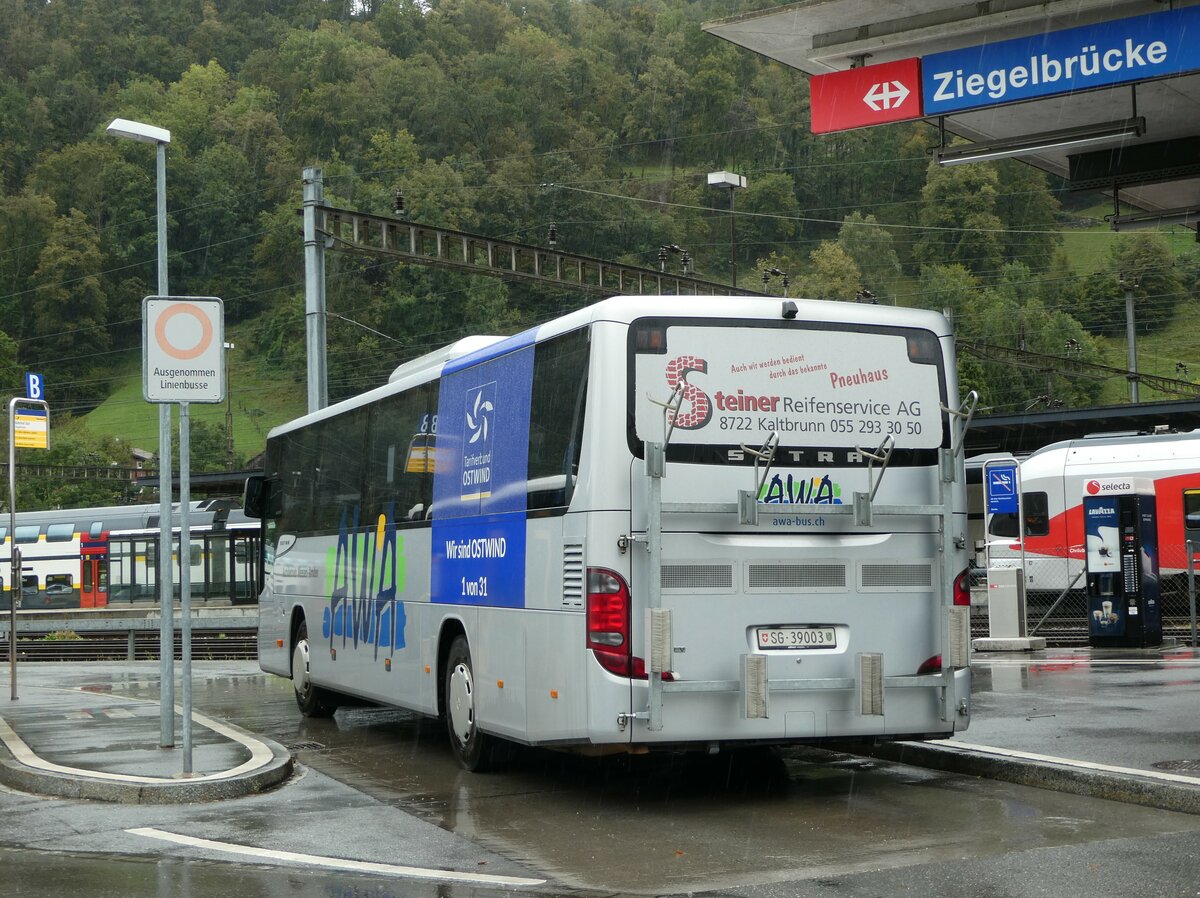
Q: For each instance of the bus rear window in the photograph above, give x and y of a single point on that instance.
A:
(826, 389)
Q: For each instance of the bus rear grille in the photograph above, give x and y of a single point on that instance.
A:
(572, 575)
(897, 576)
(697, 576)
(797, 576)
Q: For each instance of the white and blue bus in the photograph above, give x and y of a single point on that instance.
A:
(656, 522)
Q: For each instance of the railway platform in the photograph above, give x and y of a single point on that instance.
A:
(1111, 723)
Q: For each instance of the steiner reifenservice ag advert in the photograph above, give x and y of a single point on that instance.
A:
(831, 388)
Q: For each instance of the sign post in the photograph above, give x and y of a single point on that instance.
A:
(183, 354)
(28, 428)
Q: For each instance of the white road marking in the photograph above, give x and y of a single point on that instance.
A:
(316, 860)
(1066, 762)
(260, 755)
(1167, 663)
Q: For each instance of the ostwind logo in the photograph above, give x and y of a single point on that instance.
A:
(479, 415)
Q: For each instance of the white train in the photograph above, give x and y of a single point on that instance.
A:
(1054, 480)
(94, 557)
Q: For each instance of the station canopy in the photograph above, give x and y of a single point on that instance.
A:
(1103, 93)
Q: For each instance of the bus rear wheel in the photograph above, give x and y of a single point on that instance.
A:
(313, 701)
(474, 750)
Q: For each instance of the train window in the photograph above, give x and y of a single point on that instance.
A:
(60, 533)
(1191, 514)
(3, 533)
(57, 584)
(29, 582)
(1037, 518)
(96, 529)
(28, 533)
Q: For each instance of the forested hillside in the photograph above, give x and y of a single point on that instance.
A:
(502, 118)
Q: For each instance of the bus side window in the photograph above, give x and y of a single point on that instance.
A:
(338, 477)
(556, 406)
(400, 456)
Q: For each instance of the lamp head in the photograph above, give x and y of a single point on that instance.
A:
(120, 127)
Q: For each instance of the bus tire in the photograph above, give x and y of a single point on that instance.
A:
(474, 750)
(313, 701)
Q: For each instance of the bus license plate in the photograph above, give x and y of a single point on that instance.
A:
(797, 638)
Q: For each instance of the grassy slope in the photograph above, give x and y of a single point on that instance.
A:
(260, 399)
(1157, 353)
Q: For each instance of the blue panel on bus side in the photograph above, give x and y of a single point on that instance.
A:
(479, 482)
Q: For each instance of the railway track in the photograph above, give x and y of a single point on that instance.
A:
(207, 645)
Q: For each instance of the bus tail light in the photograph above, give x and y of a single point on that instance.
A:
(962, 588)
(608, 633)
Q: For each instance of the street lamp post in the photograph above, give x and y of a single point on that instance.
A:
(228, 412)
(160, 137)
(734, 183)
(1129, 285)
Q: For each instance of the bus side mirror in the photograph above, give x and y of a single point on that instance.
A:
(254, 496)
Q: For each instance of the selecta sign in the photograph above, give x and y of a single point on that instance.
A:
(1059, 62)
(1041, 65)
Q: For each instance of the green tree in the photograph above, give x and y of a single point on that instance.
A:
(958, 212)
(869, 244)
(66, 331)
(833, 274)
(1141, 263)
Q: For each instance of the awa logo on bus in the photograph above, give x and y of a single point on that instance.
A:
(790, 490)
(365, 571)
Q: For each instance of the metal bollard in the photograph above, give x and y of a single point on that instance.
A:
(1191, 591)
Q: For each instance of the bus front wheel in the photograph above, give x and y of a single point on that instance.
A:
(313, 701)
(474, 750)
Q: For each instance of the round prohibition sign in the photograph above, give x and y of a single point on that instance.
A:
(184, 354)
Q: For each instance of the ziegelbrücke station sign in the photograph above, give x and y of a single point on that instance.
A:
(1104, 94)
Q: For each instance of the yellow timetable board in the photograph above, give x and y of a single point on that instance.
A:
(31, 428)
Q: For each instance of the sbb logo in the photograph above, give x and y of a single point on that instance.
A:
(1093, 487)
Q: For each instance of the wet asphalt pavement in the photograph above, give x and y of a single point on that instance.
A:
(379, 787)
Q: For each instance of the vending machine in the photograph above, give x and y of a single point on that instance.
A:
(1121, 527)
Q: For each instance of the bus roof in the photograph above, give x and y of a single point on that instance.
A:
(624, 310)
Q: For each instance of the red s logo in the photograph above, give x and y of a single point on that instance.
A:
(700, 412)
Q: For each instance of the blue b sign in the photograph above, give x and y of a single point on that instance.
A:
(35, 387)
(1002, 490)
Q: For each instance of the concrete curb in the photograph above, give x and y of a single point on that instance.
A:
(80, 783)
(1166, 792)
